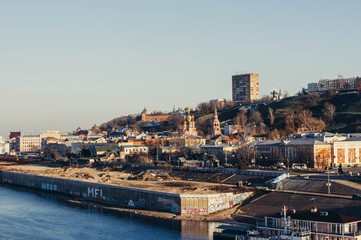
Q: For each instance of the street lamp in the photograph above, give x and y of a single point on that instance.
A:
(254, 157)
(328, 176)
(288, 164)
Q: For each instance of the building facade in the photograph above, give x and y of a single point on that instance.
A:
(245, 87)
(29, 143)
(313, 153)
(347, 152)
(2, 145)
(333, 151)
(339, 84)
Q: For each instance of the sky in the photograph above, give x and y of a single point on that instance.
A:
(67, 63)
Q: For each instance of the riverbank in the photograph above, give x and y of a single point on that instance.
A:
(222, 217)
(173, 187)
(154, 180)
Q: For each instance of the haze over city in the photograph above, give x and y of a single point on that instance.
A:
(76, 63)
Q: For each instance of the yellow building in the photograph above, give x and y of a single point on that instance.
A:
(29, 143)
(322, 155)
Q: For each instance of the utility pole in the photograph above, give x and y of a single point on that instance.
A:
(328, 177)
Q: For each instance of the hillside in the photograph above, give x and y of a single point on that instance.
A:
(347, 115)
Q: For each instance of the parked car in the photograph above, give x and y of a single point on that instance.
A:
(356, 196)
(281, 165)
(299, 166)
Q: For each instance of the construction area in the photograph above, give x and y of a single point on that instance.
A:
(157, 190)
(164, 180)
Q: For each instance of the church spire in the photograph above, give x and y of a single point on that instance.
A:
(216, 128)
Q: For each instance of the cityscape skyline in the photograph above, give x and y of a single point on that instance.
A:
(71, 64)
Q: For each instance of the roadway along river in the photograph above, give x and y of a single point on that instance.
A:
(29, 215)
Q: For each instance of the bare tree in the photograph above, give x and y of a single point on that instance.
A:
(273, 135)
(305, 122)
(244, 156)
(203, 108)
(329, 111)
(241, 120)
(271, 116)
(175, 122)
(290, 123)
(256, 117)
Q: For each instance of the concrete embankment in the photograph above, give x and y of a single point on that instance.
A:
(179, 204)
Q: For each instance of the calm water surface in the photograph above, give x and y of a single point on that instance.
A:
(29, 215)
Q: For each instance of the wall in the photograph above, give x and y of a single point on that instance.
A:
(119, 196)
(184, 204)
(203, 204)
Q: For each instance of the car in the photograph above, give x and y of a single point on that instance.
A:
(356, 196)
(299, 166)
(280, 165)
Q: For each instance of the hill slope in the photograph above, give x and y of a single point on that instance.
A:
(347, 115)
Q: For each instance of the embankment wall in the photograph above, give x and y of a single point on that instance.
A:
(184, 204)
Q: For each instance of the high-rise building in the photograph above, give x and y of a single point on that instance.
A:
(245, 87)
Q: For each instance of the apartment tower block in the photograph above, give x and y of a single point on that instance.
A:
(245, 87)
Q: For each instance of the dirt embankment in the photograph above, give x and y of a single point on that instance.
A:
(156, 180)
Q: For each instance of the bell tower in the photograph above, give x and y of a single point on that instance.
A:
(216, 128)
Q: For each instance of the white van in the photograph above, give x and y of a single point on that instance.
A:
(299, 166)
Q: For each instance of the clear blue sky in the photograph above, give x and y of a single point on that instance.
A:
(69, 63)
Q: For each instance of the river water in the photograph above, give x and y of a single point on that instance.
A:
(31, 215)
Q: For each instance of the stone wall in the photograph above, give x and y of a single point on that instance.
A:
(118, 196)
(209, 203)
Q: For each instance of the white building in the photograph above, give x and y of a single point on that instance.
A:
(339, 84)
(29, 143)
(347, 152)
(2, 145)
(129, 148)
